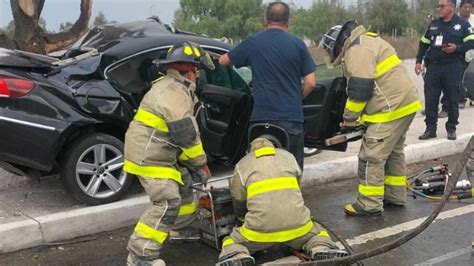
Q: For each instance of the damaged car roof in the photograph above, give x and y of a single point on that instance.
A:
(117, 41)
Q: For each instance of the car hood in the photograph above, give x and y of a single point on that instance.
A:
(16, 58)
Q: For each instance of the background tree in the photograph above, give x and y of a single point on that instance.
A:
(236, 19)
(65, 26)
(315, 21)
(31, 36)
(100, 19)
(388, 16)
(419, 19)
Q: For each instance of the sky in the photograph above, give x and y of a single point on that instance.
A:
(56, 12)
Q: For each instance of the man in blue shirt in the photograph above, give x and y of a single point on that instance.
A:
(278, 61)
(443, 48)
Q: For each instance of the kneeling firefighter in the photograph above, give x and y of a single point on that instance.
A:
(163, 148)
(382, 96)
(267, 198)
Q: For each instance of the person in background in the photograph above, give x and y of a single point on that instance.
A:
(443, 48)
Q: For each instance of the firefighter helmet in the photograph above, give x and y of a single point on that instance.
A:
(188, 53)
(277, 135)
(333, 40)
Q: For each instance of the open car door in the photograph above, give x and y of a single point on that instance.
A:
(468, 80)
(323, 110)
(223, 117)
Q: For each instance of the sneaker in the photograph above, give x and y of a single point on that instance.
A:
(241, 259)
(326, 253)
(443, 114)
(355, 210)
(427, 135)
(462, 105)
(452, 135)
(133, 260)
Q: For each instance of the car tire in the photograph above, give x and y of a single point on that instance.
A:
(91, 169)
(308, 152)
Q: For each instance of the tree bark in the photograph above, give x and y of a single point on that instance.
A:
(58, 41)
(29, 36)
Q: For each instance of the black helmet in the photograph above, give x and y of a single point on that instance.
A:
(333, 39)
(277, 135)
(188, 53)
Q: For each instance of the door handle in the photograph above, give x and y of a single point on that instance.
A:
(213, 108)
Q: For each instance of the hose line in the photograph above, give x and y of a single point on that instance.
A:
(412, 233)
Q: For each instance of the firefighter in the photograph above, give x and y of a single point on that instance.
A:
(163, 148)
(267, 198)
(382, 96)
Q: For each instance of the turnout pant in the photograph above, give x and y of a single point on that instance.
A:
(172, 207)
(382, 173)
(236, 243)
(446, 78)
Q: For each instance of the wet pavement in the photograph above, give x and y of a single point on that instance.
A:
(445, 242)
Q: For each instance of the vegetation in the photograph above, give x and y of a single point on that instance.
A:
(238, 19)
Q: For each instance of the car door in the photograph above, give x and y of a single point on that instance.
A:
(468, 80)
(323, 109)
(223, 117)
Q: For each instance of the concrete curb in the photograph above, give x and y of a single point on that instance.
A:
(90, 220)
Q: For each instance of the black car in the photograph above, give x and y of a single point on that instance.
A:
(68, 115)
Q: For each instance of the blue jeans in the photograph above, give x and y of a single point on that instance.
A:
(295, 131)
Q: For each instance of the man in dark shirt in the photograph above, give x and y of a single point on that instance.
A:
(278, 61)
(443, 48)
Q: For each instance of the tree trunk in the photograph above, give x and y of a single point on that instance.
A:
(29, 36)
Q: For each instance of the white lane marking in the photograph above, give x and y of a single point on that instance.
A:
(390, 231)
(400, 228)
(445, 257)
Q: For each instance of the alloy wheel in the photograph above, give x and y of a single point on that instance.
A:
(99, 171)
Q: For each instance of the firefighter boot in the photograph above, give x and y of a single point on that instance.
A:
(321, 252)
(355, 210)
(240, 259)
(133, 260)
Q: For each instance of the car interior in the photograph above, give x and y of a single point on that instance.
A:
(223, 93)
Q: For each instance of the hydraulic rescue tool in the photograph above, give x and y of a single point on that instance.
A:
(215, 214)
(346, 136)
(434, 180)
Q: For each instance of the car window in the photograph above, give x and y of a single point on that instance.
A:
(137, 74)
(227, 77)
(245, 74)
(323, 71)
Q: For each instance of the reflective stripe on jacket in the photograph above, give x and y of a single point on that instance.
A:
(149, 148)
(367, 56)
(266, 181)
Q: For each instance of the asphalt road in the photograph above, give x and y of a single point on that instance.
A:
(446, 242)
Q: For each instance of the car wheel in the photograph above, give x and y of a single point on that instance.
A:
(311, 151)
(92, 170)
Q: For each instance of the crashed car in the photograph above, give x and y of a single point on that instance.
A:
(68, 114)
